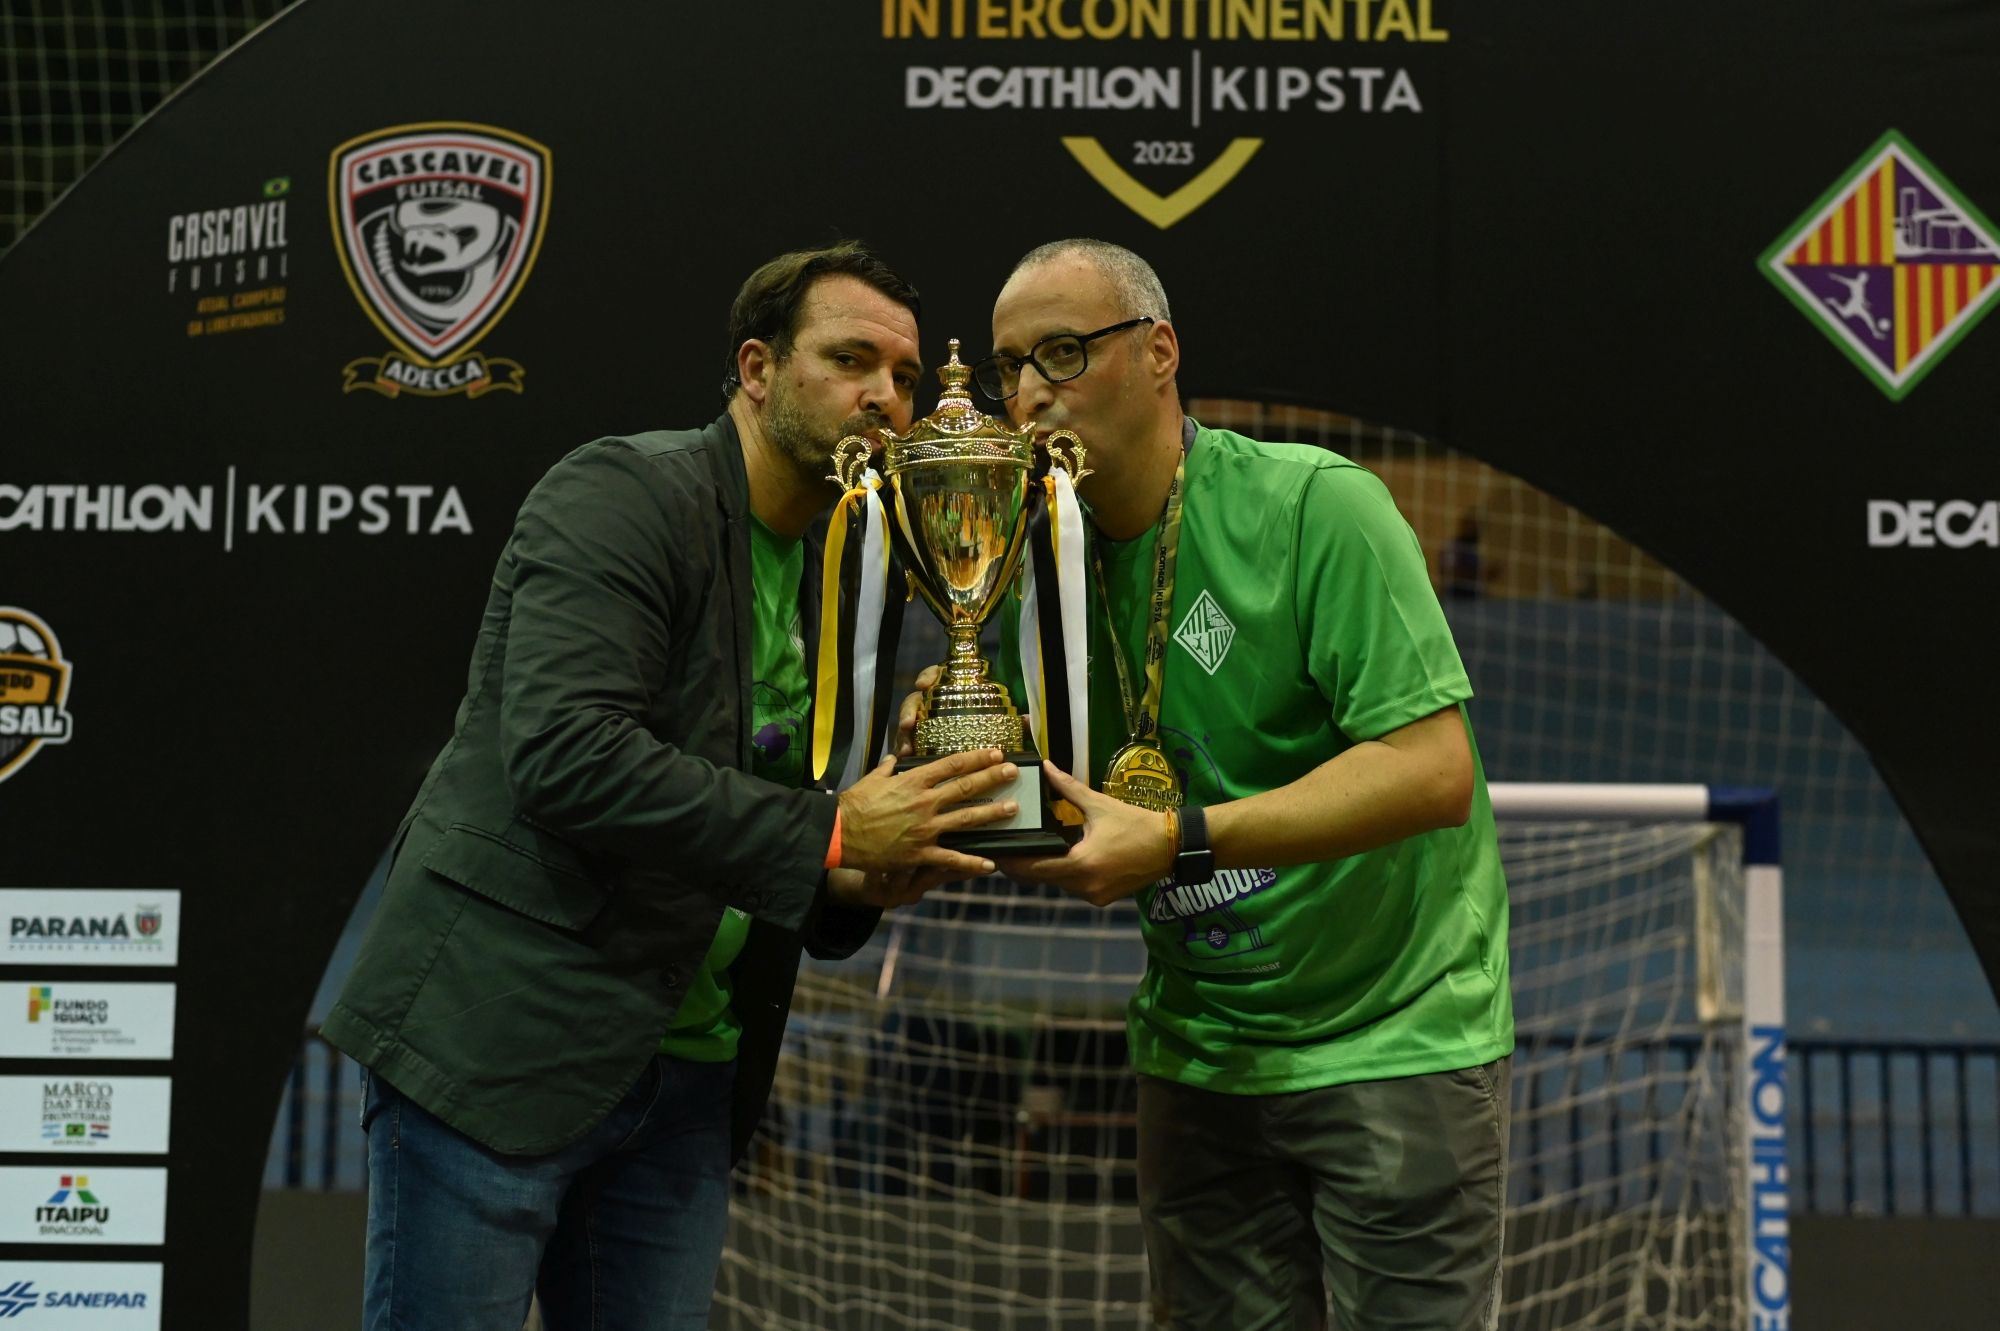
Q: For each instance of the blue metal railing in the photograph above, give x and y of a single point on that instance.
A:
(1896, 1128)
(1877, 1127)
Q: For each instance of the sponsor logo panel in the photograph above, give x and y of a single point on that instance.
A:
(1164, 104)
(233, 261)
(34, 689)
(91, 926)
(83, 1113)
(237, 507)
(1893, 265)
(81, 1296)
(1954, 523)
(437, 226)
(88, 1204)
(72, 1019)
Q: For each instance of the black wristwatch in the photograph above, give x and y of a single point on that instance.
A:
(1196, 862)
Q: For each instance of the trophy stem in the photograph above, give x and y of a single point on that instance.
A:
(967, 708)
(964, 667)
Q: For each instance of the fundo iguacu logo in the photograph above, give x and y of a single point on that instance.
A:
(42, 1002)
(34, 689)
(437, 225)
(1177, 95)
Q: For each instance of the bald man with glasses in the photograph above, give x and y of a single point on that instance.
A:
(1323, 1031)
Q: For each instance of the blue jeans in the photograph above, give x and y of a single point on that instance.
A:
(621, 1231)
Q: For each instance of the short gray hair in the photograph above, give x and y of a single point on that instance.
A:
(1137, 285)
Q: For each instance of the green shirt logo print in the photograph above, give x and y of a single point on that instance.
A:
(1206, 632)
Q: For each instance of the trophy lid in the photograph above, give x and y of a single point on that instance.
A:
(957, 428)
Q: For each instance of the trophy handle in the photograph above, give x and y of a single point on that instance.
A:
(850, 461)
(1070, 460)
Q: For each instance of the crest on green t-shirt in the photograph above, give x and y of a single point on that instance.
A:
(1206, 632)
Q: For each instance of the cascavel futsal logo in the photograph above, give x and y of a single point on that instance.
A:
(1892, 263)
(437, 226)
(34, 689)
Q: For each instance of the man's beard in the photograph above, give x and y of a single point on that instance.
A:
(804, 442)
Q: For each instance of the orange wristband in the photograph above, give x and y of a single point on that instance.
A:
(833, 847)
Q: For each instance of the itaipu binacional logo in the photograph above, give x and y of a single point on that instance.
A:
(1892, 263)
(437, 226)
(34, 689)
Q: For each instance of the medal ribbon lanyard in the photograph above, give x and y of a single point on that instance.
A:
(1142, 721)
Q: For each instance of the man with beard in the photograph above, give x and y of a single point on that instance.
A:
(570, 1000)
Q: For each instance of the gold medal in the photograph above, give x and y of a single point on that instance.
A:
(1140, 774)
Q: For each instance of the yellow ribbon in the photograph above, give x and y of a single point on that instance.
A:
(826, 688)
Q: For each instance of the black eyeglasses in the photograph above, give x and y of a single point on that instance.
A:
(1057, 358)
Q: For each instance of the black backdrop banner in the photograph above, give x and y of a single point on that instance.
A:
(280, 369)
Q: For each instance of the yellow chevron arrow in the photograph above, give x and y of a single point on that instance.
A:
(1162, 212)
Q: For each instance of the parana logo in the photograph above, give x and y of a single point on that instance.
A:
(1174, 107)
(34, 689)
(142, 930)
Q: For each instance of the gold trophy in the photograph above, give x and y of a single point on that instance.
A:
(958, 520)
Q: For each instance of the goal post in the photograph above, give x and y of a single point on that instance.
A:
(953, 1135)
(1743, 984)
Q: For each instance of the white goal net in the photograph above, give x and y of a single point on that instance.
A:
(952, 1142)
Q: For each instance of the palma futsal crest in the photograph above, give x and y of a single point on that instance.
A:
(1892, 264)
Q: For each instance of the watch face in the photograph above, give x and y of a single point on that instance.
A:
(1194, 866)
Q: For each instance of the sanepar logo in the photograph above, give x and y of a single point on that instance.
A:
(1957, 523)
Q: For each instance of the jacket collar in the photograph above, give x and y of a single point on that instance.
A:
(725, 454)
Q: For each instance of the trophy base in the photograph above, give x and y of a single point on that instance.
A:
(1035, 830)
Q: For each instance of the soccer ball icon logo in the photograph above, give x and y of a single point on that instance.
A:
(19, 638)
(34, 688)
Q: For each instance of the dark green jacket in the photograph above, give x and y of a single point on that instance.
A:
(561, 873)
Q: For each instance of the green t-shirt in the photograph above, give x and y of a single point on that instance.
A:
(705, 1030)
(1303, 622)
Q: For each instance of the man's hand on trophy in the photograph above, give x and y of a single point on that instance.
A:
(1123, 847)
(890, 821)
(885, 891)
(906, 723)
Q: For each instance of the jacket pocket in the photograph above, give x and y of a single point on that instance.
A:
(535, 876)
